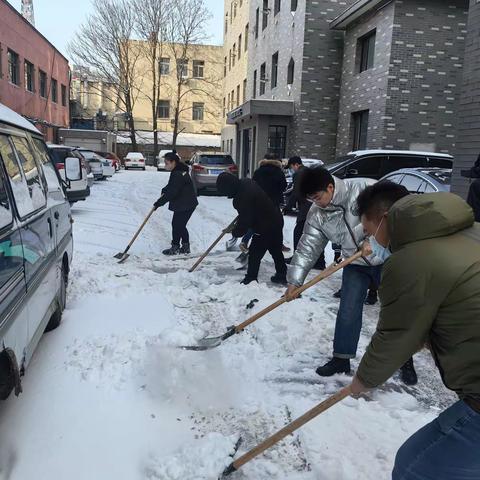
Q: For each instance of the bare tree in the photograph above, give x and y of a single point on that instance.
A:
(186, 28)
(152, 21)
(104, 44)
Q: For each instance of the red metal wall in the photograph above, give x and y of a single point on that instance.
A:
(21, 37)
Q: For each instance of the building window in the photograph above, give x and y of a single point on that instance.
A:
(229, 106)
(224, 108)
(277, 7)
(164, 66)
(294, 5)
(263, 78)
(254, 91)
(182, 68)
(366, 51)
(265, 13)
(64, 96)
(238, 95)
(274, 70)
(277, 140)
(244, 91)
(360, 129)
(29, 76)
(247, 28)
(198, 68)
(226, 23)
(257, 21)
(234, 9)
(230, 60)
(43, 84)
(54, 91)
(163, 109)
(234, 54)
(291, 72)
(13, 67)
(198, 111)
(240, 46)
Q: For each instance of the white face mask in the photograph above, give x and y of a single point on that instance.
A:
(381, 252)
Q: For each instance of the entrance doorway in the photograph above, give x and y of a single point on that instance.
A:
(246, 151)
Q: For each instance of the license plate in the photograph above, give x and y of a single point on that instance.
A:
(216, 172)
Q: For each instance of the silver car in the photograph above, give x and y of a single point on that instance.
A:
(207, 166)
(422, 180)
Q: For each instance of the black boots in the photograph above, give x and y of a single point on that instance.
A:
(279, 279)
(247, 280)
(408, 374)
(334, 366)
(185, 249)
(372, 297)
(173, 250)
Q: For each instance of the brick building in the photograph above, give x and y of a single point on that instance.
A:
(402, 73)
(34, 75)
(468, 143)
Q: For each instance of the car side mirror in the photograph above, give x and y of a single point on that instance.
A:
(73, 169)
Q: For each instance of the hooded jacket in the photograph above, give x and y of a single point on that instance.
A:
(338, 223)
(430, 293)
(269, 175)
(255, 210)
(179, 192)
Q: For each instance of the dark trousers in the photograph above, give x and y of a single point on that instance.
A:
(179, 227)
(261, 244)
(297, 235)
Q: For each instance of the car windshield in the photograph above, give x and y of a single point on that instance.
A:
(60, 154)
(444, 177)
(216, 160)
(340, 162)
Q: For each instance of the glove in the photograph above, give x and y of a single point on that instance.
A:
(230, 228)
(158, 203)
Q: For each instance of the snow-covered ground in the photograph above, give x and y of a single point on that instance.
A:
(108, 396)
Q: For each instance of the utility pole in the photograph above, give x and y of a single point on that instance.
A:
(27, 11)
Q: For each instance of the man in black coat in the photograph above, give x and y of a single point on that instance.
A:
(269, 175)
(473, 198)
(257, 212)
(297, 199)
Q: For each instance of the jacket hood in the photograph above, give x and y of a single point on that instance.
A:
(228, 185)
(431, 215)
(182, 167)
(273, 163)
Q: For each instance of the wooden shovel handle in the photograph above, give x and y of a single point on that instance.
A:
(292, 427)
(325, 274)
(212, 246)
(140, 229)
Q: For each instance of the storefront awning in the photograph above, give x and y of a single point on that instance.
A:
(257, 107)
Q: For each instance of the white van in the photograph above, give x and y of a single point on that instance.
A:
(35, 244)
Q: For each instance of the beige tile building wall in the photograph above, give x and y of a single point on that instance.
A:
(203, 88)
(235, 64)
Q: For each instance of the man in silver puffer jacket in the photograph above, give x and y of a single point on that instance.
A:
(333, 218)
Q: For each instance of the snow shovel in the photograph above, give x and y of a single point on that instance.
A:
(213, 245)
(213, 342)
(289, 429)
(123, 256)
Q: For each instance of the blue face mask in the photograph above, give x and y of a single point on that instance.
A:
(381, 252)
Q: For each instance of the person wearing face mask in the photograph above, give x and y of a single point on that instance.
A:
(180, 195)
(429, 296)
(333, 217)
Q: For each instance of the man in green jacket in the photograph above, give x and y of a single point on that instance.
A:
(430, 296)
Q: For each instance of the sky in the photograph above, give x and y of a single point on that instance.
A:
(58, 20)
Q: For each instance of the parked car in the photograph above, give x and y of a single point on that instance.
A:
(112, 157)
(77, 190)
(35, 244)
(161, 160)
(94, 161)
(378, 163)
(207, 166)
(134, 160)
(107, 168)
(422, 180)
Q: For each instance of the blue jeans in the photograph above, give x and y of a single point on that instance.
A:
(355, 282)
(446, 449)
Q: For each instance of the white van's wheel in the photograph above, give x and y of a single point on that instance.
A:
(56, 318)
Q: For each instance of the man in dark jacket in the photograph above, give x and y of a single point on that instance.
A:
(256, 212)
(180, 195)
(473, 198)
(303, 205)
(429, 295)
(269, 175)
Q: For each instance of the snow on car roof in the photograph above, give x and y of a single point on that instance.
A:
(12, 118)
(400, 152)
(166, 138)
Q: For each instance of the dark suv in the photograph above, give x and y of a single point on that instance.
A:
(378, 163)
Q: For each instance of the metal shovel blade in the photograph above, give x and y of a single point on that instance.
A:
(123, 257)
(208, 343)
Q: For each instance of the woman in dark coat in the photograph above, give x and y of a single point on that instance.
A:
(180, 195)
